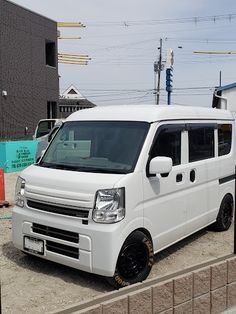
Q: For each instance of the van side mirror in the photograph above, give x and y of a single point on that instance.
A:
(160, 165)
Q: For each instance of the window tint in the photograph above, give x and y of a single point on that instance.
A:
(96, 146)
(224, 139)
(201, 142)
(168, 144)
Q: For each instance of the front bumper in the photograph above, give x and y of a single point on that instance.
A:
(98, 245)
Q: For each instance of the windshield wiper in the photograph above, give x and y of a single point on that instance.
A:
(82, 169)
(99, 170)
(54, 166)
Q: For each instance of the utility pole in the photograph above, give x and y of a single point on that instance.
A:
(157, 69)
(159, 72)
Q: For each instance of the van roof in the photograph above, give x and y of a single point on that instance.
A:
(149, 113)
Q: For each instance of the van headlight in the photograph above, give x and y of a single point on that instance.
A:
(109, 205)
(19, 192)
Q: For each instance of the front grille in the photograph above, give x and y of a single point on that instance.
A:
(75, 212)
(62, 249)
(56, 233)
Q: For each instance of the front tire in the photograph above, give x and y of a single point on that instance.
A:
(134, 262)
(225, 215)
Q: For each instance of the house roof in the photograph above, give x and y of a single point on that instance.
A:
(225, 87)
(72, 93)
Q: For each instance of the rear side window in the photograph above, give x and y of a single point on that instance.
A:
(168, 144)
(224, 139)
(201, 142)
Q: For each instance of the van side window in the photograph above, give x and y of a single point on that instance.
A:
(201, 142)
(168, 144)
(224, 139)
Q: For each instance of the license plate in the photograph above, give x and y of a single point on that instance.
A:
(34, 245)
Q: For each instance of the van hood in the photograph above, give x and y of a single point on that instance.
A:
(65, 187)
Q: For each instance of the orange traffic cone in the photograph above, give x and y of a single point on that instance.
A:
(3, 202)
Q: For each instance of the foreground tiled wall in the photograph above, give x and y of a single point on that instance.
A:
(206, 290)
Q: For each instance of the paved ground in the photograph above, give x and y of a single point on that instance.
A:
(230, 311)
(31, 285)
(10, 181)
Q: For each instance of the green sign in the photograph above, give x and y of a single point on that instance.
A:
(16, 156)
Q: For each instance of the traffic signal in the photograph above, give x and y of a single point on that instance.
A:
(169, 79)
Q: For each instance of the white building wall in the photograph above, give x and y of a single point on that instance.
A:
(230, 95)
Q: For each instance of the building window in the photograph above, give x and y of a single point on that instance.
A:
(50, 48)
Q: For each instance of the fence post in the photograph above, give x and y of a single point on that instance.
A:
(3, 202)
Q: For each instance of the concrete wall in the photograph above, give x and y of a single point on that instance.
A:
(23, 72)
(209, 289)
(230, 94)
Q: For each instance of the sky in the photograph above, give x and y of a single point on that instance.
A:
(122, 39)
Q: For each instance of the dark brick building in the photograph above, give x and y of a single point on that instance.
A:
(29, 83)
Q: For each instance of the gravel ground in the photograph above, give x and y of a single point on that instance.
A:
(32, 285)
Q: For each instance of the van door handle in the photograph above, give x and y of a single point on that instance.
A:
(179, 177)
(192, 175)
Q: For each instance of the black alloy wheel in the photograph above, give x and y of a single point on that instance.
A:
(225, 215)
(134, 262)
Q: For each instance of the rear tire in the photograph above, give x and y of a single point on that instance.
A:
(225, 215)
(134, 262)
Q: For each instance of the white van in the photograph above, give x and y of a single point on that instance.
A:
(44, 126)
(45, 139)
(118, 184)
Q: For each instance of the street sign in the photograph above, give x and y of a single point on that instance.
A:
(17, 155)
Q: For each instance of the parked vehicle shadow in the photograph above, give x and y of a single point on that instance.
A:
(67, 274)
(84, 279)
(180, 245)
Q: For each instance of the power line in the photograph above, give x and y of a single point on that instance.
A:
(118, 99)
(191, 94)
(124, 90)
(115, 94)
(195, 20)
(179, 91)
(140, 99)
(202, 40)
(115, 90)
(215, 52)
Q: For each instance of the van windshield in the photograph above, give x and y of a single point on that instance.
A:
(96, 146)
